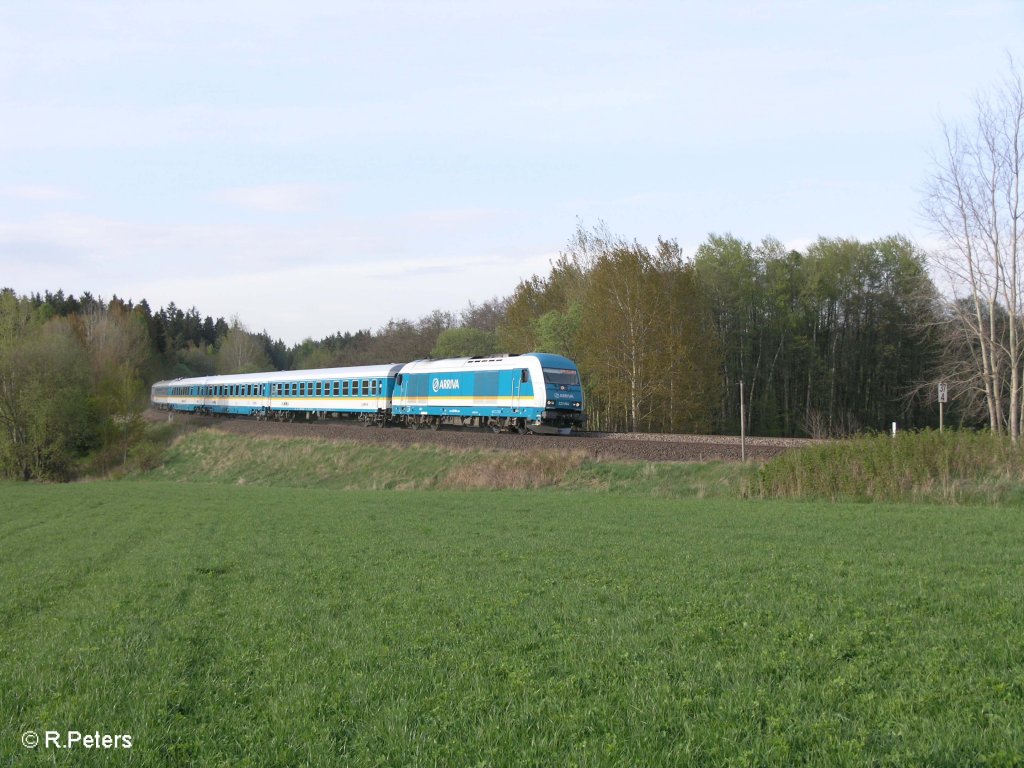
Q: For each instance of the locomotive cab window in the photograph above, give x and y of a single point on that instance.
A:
(566, 376)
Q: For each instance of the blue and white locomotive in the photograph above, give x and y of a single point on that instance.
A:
(535, 392)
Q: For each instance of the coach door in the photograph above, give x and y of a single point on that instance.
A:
(517, 386)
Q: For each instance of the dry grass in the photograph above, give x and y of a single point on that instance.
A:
(512, 472)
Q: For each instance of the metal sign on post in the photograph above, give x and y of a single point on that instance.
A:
(943, 398)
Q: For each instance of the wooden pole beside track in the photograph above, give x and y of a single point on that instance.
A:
(743, 427)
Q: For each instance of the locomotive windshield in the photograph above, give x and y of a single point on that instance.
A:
(567, 376)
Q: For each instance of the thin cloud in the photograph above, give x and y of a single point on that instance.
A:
(276, 198)
(42, 193)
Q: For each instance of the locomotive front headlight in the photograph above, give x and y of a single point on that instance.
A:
(550, 403)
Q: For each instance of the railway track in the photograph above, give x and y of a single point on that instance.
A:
(604, 446)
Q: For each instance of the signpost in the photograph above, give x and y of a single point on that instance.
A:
(943, 399)
(743, 427)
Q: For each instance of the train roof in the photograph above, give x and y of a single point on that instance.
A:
(302, 374)
(487, 363)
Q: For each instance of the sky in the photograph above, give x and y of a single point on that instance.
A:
(314, 167)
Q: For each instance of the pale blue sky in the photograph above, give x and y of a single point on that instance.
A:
(325, 166)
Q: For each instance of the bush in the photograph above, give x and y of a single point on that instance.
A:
(956, 467)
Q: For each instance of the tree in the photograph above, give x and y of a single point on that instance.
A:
(45, 403)
(975, 201)
(241, 351)
(464, 342)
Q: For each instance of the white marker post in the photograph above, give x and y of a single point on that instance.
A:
(943, 398)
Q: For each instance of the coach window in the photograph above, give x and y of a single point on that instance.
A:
(337, 388)
(373, 387)
(344, 389)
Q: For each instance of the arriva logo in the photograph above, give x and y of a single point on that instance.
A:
(439, 384)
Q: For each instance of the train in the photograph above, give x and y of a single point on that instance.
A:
(535, 392)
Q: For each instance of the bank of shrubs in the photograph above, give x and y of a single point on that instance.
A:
(951, 466)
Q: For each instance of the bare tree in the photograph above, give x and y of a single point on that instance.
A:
(241, 351)
(975, 200)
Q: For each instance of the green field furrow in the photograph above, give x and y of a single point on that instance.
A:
(234, 625)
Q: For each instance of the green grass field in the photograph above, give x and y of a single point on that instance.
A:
(220, 624)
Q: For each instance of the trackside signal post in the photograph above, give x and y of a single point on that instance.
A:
(943, 398)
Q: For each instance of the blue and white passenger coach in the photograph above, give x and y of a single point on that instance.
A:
(363, 392)
(526, 393)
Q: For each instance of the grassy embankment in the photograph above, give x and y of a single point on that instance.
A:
(225, 624)
(212, 456)
(954, 467)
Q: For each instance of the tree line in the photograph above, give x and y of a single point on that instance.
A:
(829, 341)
